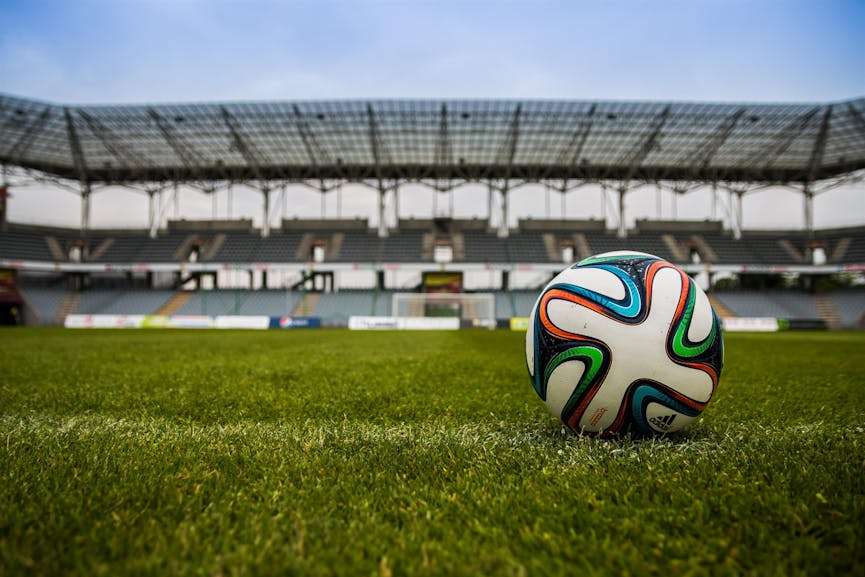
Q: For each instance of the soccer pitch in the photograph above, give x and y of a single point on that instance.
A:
(336, 452)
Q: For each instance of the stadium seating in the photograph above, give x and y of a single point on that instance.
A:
(341, 305)
(482, 246)
(122, 302)
(240, 302)
(359, 246)
(278, 247)
(769, 303)
(842, 246)
(850, 305)
(44, 301)
(24, 246)
(403, 246)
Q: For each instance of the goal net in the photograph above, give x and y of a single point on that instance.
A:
(476, 309)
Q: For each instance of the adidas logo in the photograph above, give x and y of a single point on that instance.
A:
(663, 423)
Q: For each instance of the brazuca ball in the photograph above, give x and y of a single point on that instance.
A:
(624, 342)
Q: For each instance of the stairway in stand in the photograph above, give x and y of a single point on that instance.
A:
(720, 307)
(306, 306)
(827, 311)
(68, 306)
(174, 303)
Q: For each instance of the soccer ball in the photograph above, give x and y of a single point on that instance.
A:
(624, 342)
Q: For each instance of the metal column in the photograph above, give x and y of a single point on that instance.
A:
(808, 198)
(265, 220)
(737, 219)
(382, 222)
(622, 233)
(396, 204)
(152, 220)
(85, 207)
(503, 225)
(604, 204)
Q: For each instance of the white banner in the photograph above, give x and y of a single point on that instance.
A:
(103, 321)
(362, 323)
(367, 323)
(750, 324)
(242, 322)
(428, 323)
(190, 322)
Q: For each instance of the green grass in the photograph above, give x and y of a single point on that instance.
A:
(330, 452)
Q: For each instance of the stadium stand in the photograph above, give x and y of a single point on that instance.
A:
(352, 241)
(126, 302)
(22, 245)
(534, 242)
(240, 302)
(850, 305)
(485, 247)
(44, 302)
(769, 303)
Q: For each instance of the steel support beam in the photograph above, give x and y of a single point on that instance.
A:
(114, 145)
(20, 147)
(508, 151)
(152, 220)
(564, 201)
(738, 215)
(265, 222)
(703, 155)
(815, 163)
(252, 156)
(635, 157)
(503, 225)
(317, 155)
(176, 200)
(85, 207)
(623, 231)
(785, 138)
(714, 200)
(188, 156)
(382, 221)
(75, 147)
(808, 209)
(571, 154)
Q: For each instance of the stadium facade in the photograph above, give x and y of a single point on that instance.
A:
(274, 147)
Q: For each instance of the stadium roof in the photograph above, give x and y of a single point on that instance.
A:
(408, 139)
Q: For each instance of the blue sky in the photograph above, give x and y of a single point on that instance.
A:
(157, 51)
(113, 51)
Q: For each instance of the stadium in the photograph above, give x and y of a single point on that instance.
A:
(259, 318)
(213, 268)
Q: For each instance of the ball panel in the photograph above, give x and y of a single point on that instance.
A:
(595, 279)
(562, 383)
(701, 322)
(531, 341)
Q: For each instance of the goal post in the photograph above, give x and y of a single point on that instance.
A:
(476, 309)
